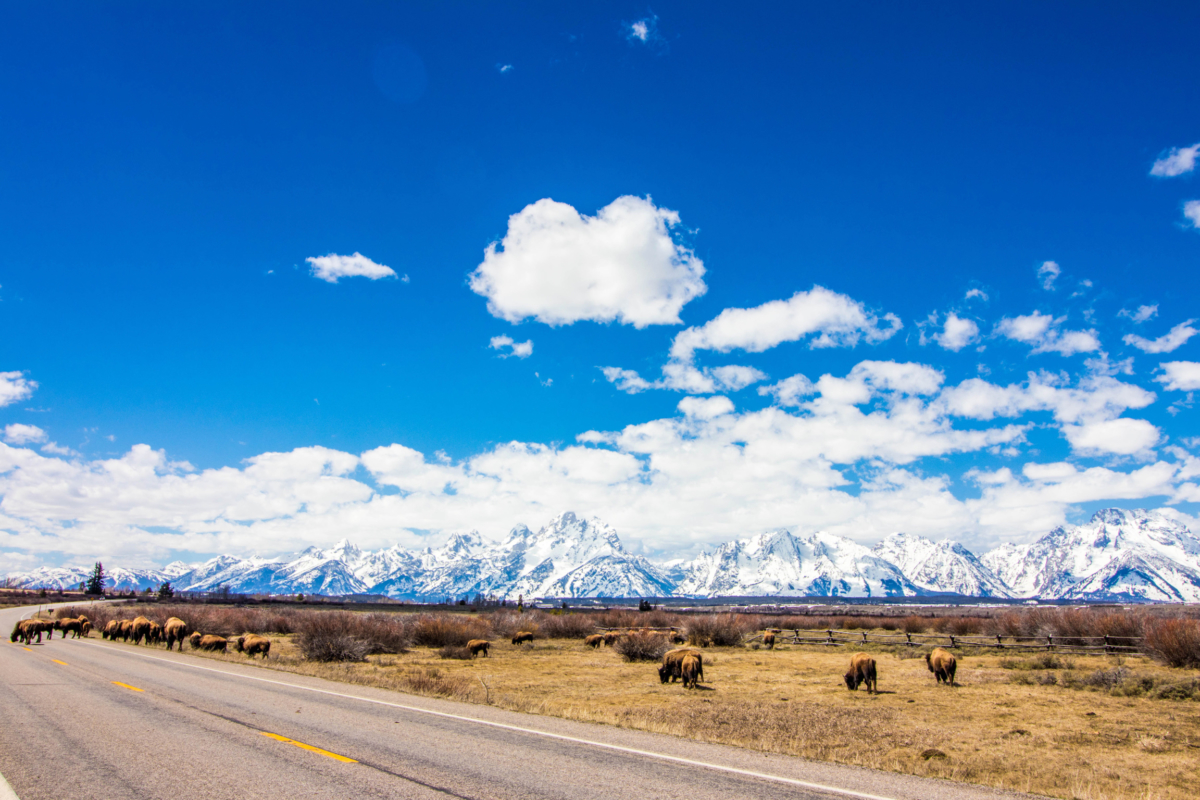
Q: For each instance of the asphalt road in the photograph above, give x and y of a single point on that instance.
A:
(93, 719)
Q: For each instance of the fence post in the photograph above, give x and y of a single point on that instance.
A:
(998, 642)
(1049, 642)
(909, 636)
(830, 635)
(1106, 649)
(864, 634)
(952, 644)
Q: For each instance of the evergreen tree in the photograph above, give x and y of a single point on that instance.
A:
(95, 584)
(166, 591)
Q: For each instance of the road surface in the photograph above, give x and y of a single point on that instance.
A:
(94, 719)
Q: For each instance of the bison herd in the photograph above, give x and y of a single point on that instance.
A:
(141, 630)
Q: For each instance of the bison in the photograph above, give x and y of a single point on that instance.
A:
(175, 630)
(140, 629)
(252, 644)
(610, 638)
(942, 664)
(690, 670)
(126, 630)
(769, 641)
(477, 646)
(862, 670)
(210, 642)
(673, 661)
(522, 637)
(155, 634)
(69, 625)
(595, 640)
(678, 638)
(111, 630)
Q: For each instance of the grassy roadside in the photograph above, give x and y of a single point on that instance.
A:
(1007, 728)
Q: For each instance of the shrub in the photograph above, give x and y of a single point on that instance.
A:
(1175, 642)
(959, 626)
(913, 624)
(441, 630)
(719, 630)
(568, 626)
(451, 651)
(642, 646)
(618, 618)
(1039, 661)
(327, 637)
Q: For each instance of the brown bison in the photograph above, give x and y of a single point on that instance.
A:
(252, 644)
(522, 637)
(210, 642)
(862, 670)
(140, 629)
(175, 630)
(671, 668)
(678, 638)
(111, 630)
(17, 633)
(69, 625)
(126, 630)
(477, 646)
(595, 640)
(155, 634)
(690, 670)
(942, 664)
(769, 641)
(610, 638)
(85, 627)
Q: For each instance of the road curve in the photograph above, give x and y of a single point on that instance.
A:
(93, 719)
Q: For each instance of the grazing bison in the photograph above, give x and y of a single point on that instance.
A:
(140, 629)
(210, 642)
(690, 670)
(671, 668)
(769, 641)
(595, 640)
(678, 638)
(252, 644)
(175, 630)
(155, 634)
(477, 646)
(17, 633)
(522, 637)
(85, 627)
(862, 670)
(942, 664)
(126, 630)
(111, 630)
(610, 638)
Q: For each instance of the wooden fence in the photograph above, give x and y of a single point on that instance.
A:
(1059, 644)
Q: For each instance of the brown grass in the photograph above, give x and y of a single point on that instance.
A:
(1077, 737)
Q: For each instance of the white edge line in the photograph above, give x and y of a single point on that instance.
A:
(533, 731)
(6, 791)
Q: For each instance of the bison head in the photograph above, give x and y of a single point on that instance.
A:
(851, 680)
(664, 673)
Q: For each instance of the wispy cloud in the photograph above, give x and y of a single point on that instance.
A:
(508, 347)
(1177, 161)
(1139, 316)
(1048, 273)
(1191, 211)
(504, 68)
(15, 386)
(1172, 340)
(1044, 333)
(332, 267)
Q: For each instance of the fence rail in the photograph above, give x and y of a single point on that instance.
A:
(1062, 644)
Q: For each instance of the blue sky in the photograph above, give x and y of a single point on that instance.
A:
(636, 171)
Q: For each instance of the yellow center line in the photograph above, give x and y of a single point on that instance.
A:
(127, 686)
(56, 661)
(27, 649)
(308, 747)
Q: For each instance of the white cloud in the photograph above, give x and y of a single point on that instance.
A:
(518, 349)
(1181, 376)
(1048, 272)
(687, 378)
(1170, 341)
(503, 68)
(1142, 314)
(976, 294)
(957, 333)
(838, 321)
(560, 267)
(644, 31)
(1177, 161)
(14, 387)
(23, 434)
(705, 407)
(55, 449)
(1043, 332)
(1191, 210)
(1119, 436)
(332, 267)
(789, 391)
(627, 380)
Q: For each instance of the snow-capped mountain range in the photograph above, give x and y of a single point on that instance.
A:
(1118, 555)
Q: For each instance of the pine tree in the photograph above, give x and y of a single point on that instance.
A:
(95, 584)
(166, 591)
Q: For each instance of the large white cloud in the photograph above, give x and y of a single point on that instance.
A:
(332, 267)
(17, 433)
(1180, 375)
(957, 332)
(14, 387)
(559, 267)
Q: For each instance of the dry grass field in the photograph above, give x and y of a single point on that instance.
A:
(1001, 726)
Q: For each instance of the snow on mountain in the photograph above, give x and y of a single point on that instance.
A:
(1118, 555)
(940, 566)
(779, 563)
